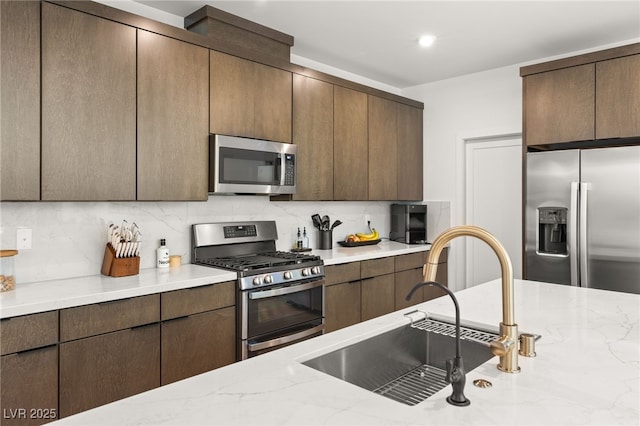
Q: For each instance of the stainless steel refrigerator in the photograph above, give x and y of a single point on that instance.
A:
(582, 219)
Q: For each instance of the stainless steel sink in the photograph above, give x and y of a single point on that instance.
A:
(406, 364)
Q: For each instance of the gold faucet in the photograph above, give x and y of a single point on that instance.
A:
(506, 347)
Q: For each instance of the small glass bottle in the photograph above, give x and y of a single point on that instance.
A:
(162, 255)
(305, 238)
(299, 240)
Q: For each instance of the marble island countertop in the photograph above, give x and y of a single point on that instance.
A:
(29, 298)
(587, 371)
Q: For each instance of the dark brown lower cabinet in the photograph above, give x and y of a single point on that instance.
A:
(378, 295)
(342, 305)
(29, 386)
(101, 369)
(409, 273)
(405, 280)
(197, 343)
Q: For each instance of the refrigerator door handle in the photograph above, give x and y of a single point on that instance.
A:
(573, 234)
(584, 272)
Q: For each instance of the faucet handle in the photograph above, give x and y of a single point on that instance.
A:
(501, 346)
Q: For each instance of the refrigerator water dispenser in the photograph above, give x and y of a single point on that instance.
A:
(552, 231)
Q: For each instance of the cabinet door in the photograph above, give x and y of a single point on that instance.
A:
(404, 282)
(88, 107)
(350, 145)
(559, 105)
(29, 386)
(618, 98)
(383, 149)
(231, 95)
(173, 119)
(342, 305)
(20, 88)
(101, 369)
(272, 103)
(198, 343)
(378, 296)
(313, 134)
(409, 153)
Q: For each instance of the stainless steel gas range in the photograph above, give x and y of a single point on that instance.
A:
(280, 296)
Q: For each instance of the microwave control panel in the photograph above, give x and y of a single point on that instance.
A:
(289, 169)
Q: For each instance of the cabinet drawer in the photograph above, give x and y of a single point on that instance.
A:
(90, 320)
(376, 267)
(194, 300)
(28, 332)
(343, 273)
(410, 261)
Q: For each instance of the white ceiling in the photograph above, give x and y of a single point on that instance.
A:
(378, 39)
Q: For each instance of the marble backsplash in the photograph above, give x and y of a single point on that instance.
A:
(69, 237)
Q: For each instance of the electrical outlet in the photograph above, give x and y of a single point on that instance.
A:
(24, 239)
(367, 220)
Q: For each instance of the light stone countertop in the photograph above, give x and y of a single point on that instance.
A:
(587, 372)
(45, 296)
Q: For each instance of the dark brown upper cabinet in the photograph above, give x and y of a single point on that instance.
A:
(249, 99)
(559, 105)
(383, 149)
(88, 107)
(618, 98)
(350, 145)
(409, 153)
(20, 88)
(173, 119)
(313, 134)
(589, 97)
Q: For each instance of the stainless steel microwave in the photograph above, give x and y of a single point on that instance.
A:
(251, 166)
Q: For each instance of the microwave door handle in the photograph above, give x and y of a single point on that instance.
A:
(262, 294)
(279, 175)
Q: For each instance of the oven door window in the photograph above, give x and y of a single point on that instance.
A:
(270, 314)
(243, 166)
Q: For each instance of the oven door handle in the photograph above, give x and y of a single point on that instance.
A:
(285, 339)
(262, 294)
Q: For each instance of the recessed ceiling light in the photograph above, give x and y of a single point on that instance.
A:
(426, 40)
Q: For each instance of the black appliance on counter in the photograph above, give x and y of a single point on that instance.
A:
(409, 223)
(280, 295)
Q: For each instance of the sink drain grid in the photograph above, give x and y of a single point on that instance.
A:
(414, 386)
(450, 330)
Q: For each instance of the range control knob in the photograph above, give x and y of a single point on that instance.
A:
(257, 281)
(268, 279)
(306, 272)
(288, 275)
(315, 270)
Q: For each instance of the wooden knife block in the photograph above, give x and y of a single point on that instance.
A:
(119, 267)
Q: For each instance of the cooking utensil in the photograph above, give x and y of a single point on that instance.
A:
(317, 222)
(325, 222)
(336, 223)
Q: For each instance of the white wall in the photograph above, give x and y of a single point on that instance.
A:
(464, 107)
